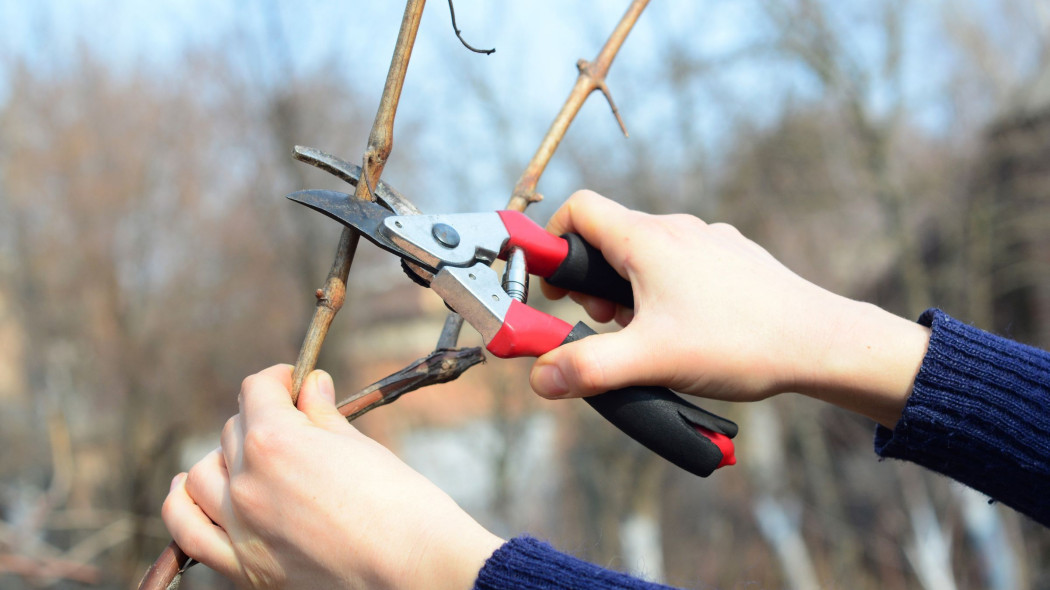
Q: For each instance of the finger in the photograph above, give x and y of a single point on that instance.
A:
(624, 315)
(601, 222)
(593, 365)
(575, 213)
(601, 310)
(281, 372)
(231, 441)
(195, 533)
(317, 401)
(208, 483)
(265, 395)
(551, 292)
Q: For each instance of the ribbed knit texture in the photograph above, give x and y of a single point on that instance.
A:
(980, 414)
(528, 564)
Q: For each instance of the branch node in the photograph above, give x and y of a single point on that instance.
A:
(612, 105)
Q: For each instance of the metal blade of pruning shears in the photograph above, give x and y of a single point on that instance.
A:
(456, 250)
(366, 217)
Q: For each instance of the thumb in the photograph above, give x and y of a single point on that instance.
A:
(590, 366)
(317, 401)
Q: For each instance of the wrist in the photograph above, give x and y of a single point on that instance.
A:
(869, 361)
(449, 558)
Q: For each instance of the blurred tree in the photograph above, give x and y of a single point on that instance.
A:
(147, 263)
(151, 268)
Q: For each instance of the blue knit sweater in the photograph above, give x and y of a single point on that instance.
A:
(979, 413)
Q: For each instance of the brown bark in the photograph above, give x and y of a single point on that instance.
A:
(440, 366)
(330, 298)
(380, 142)
(443, 364)
(166, 570)
(591, 77)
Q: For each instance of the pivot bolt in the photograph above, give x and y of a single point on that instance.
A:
(446, 235)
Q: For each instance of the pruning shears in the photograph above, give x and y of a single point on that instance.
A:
(453, 254)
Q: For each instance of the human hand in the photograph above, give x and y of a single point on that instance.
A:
(716, 315)
(298, 498)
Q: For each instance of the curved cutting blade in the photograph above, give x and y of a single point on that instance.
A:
(364, 216)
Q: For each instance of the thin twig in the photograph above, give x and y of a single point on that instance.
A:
(349, 172)
(591, 77)
(452, 11)
(450, 331)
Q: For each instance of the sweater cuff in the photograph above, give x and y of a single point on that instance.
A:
(976, 411)
(526, 563)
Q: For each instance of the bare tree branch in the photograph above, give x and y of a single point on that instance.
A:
(444, 364)
(162, 575)
(591, 78)
(380, 142)
(440, 366)
(383, 192)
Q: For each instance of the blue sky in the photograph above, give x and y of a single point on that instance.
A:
(531, 72)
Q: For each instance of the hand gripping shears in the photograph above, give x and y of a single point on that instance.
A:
(453, 254)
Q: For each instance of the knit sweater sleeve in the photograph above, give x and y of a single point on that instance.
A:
(525, 563)
(980, 414)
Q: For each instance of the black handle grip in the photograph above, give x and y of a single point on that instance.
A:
(585, 270)
(663, 422)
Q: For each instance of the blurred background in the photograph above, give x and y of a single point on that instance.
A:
(894, 151)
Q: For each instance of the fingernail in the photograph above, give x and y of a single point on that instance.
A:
(175, 481)
(326, 386)
(548, 381)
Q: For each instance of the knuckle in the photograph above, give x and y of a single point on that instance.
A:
(590, 374)
(686, 220)
(249, 500)
(242, 495)
(195, 478)
(725, 229)
(583, 195)
(229, 428)
(250, 382)
(191, 542)
(261, 442)
(168, 510)
(681, 225)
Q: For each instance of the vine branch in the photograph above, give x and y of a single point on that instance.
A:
(440, 366)
(330, 299)
(165, 573)
(591, 77)
(444, 363)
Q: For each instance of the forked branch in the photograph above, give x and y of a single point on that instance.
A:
(591, 77)
(165, 574)
(380, 142)
(444, 363)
